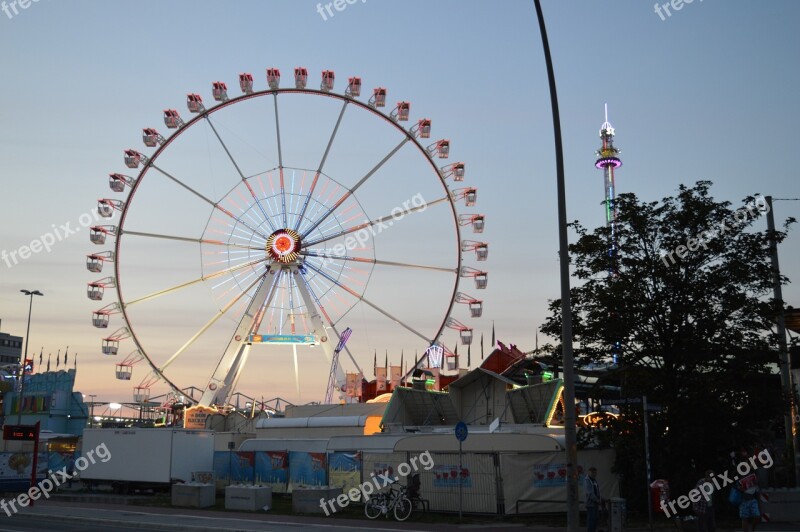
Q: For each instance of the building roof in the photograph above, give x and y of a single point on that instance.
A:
(420, 408)
(477, 374)
(502, 358)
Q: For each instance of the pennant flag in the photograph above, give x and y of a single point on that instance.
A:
(469, 355)
(58, 358)
(48, 360)
(65, 355)
(481, 346)
(40, 356)
(494, 341)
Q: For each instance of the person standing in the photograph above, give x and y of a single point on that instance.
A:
(750, 507)
(704, 508)
(591, 491)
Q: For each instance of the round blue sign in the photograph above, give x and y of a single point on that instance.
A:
(461, 431)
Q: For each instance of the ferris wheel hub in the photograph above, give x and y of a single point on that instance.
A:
(283, 246)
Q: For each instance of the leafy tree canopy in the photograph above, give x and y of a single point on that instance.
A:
(687, 296)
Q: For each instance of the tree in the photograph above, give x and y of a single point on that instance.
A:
(686, 296)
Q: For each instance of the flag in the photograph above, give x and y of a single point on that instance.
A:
(481, 346)
(40, 356)
(375, 363)
(494, 341)
(58, 358)
(469, 355)
(48, 360)
(65, 355)
(380, 380)
(386, 362)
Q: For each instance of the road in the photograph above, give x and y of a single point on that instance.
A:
(93, 517)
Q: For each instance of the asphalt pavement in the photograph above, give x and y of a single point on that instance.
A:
(93, 516)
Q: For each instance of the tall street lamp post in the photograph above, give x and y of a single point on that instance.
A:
(25, 359)
(570, 421)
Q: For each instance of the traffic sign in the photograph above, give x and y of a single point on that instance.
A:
(461, 431)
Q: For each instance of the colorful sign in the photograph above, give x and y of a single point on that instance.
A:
(307, 469)
(19, 432)
(549, 475)
(32, 404)
(301, 339)
(447, 476)
(272, 469)
(343, 339)
(195, 416)
(597, 419)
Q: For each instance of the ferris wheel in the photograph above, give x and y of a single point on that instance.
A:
(277, 218)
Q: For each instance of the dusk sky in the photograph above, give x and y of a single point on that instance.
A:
(707, 92)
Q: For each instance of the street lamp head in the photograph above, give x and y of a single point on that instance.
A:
(31, 293)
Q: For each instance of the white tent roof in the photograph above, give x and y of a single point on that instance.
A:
(275, 444)
(483, 442)
(311, 422)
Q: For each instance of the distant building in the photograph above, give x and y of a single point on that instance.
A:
(49, 399)
(10, 349)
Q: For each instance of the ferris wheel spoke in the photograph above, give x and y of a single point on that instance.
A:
(360, 297)
(319, 169)
(377, 221)
(325, 255)
(352, 191)
(195, 281)
(329, 320)
(280, 160)
(209, 201)
(208, 324)
(241, 174)
(193, 240)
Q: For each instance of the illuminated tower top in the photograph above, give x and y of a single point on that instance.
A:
(608, 161)
(607, 154)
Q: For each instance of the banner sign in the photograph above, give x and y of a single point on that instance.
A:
(301, 339)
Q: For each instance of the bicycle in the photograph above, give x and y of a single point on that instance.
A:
(395, 500)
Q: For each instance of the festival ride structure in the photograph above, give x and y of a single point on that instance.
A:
(276, 247)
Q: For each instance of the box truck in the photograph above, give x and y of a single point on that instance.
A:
(136, 458)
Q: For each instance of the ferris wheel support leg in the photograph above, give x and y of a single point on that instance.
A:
(233, 359)
(328, 344)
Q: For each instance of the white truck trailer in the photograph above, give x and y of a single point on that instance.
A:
(144, 458)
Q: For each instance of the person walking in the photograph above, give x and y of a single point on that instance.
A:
(704, 507)
(591, 491)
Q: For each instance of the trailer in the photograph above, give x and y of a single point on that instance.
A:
(133, 459)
